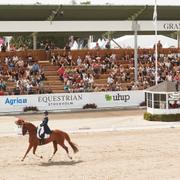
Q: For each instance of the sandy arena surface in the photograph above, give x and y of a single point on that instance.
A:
(149, 151)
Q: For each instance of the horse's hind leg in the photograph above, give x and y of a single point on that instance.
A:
(66, 149)
(55, 150)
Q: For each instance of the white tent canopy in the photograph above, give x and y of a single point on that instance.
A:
(144, 41)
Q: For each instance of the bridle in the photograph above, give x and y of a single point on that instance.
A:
(20, 125)
(24, 130)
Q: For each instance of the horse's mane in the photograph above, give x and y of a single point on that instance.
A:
(30, 124)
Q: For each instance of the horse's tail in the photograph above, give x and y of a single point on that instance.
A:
(74, 146)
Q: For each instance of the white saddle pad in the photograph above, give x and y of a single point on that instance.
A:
(40, 130)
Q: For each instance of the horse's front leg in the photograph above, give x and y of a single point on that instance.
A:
(55, 150)
(34, 152)
(28, 149)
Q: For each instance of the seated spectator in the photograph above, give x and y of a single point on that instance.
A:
(175, 105)
(3, 48)
(69, 59)
(20, 63)
(97, 47)
(67, 47)
(91, 81)
(48, 90)
(108, 45)
(66, 88)
(135, 86)
(104, 67)
(53, 59)
(60, 72)
(35, 68)
(79, 61)
(11, 64)
(41, 89)
(2, 92)
(159, 45)
(16, 91)
(12, 47)
(2, 85)
(47, 47)
(110, 80)
(29, 59)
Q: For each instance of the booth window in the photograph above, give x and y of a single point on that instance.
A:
(160, 101)
(149, 99)
(174, 104)
(174, 101)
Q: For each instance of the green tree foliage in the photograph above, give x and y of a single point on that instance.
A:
(73, 2)
(85, 2)
(22, 41)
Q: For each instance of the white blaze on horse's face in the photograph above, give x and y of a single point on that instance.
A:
(19, 122)
(19, 129)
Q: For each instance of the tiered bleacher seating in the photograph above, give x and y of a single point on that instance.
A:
(50, 70)
(52, 79)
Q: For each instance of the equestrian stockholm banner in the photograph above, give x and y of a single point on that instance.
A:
(69, 101)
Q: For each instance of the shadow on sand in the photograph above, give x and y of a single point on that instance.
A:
(64, 163)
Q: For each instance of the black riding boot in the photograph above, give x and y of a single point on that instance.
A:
(41, 141)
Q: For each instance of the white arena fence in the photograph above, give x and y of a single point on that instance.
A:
(70, 101)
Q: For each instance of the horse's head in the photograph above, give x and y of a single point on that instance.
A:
(21, 124)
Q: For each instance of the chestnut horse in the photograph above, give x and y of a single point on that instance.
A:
(57, 137)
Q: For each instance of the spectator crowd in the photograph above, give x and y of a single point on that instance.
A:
(25, 74)
(89, 72)
(81, 74)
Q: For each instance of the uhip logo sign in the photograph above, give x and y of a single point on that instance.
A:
(117, 97)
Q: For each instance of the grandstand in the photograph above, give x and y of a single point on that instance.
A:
(52, 69)
(97, 95)
(124, 58)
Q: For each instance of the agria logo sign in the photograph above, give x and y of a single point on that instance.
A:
(117, 97)
(15, 101)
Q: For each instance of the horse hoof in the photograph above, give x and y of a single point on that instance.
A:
(70, 157)
(22, 160)
(41, 157)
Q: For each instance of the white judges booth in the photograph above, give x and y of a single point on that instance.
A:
(163, 98)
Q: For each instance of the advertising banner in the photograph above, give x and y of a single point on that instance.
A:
(69, 101)
(117, 98)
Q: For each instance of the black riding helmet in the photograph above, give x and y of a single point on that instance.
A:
(45, 112)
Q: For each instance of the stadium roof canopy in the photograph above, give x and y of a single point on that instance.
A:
(85, 12)
(75, 13)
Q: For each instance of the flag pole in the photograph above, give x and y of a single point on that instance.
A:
(156, 41)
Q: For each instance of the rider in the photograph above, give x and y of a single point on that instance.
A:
(46, 127)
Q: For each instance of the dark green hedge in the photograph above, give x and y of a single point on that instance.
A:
(162, 117)
(90, 106)
(30, 108)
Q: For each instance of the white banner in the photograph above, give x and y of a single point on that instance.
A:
(85, 26)
(69, 101)
(174, 96)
